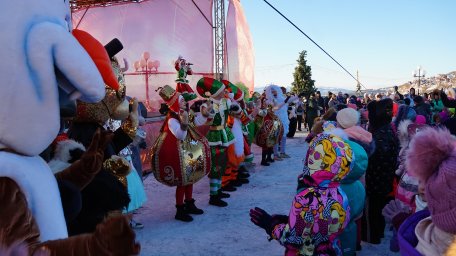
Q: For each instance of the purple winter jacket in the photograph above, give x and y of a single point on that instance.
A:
(406, 235)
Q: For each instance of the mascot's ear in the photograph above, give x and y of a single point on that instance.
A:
(72, 61)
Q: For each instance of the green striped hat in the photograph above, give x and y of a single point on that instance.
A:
(209, 87)
(238, 94)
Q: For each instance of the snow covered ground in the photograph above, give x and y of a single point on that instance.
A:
(227, 231)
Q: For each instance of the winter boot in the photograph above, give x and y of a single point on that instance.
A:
(236, 183)
(215, 200)
(229, 188)
(243, 180)
(243, 172)
(191, 208)
(182, 215)
(269, 157)
(223, 195)
(264, 158)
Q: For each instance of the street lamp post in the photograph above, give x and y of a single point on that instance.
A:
(144, 67)
(419, 73)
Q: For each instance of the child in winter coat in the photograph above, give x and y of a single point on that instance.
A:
(380, 170)
(432, 159)
(356, 195)
(320, 210)
(348, 119)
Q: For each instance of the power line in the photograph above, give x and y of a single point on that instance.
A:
(308, 37)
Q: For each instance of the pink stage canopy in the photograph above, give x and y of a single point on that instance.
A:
(239, 43)
(167, 29)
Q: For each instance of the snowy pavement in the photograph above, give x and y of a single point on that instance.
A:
(227, 231)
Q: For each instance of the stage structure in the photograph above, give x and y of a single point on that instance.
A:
(194, 29)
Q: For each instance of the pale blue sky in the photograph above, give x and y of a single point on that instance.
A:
(384, 39)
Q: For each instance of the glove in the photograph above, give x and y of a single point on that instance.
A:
(262, 219)
(393, 208)
(81, 172)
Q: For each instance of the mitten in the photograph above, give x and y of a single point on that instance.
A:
(262, 219)
(81, 172)
(393, 208)
(277, 219)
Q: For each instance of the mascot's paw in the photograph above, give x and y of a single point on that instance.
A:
(116, 236)
(20, 249)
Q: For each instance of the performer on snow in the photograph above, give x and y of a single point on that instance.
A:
(237, 123)
(279, 102)
(180, 155)
(268, 131)
(219, 135)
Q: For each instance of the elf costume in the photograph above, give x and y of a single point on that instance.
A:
(219, 135)
(180, 155)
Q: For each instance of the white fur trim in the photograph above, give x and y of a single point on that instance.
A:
(63, 148)
(40, 188)
(58, 166)
(402, 133)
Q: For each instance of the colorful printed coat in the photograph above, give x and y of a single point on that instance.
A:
(320, 209)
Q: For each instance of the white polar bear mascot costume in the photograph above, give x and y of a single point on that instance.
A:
(39, 53)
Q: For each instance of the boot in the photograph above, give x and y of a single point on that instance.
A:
(215, 200)
(243, 175)
(223, 195)
(243, 172)
(191, 208)
(236, 183)
(269, 158)
(182, 215)
(264, 158)
(229, 188)
(243, 180)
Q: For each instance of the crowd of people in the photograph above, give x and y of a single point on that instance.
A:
(379, 161)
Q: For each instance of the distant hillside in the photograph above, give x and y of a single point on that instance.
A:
(428, 84)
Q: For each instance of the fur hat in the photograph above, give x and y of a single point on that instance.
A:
(347, 117)
(432, 159)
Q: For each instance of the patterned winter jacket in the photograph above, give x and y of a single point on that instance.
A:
(320, 210)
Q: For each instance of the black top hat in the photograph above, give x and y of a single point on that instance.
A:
(113, 47)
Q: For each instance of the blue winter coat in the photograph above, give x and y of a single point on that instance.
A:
(356, 195)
